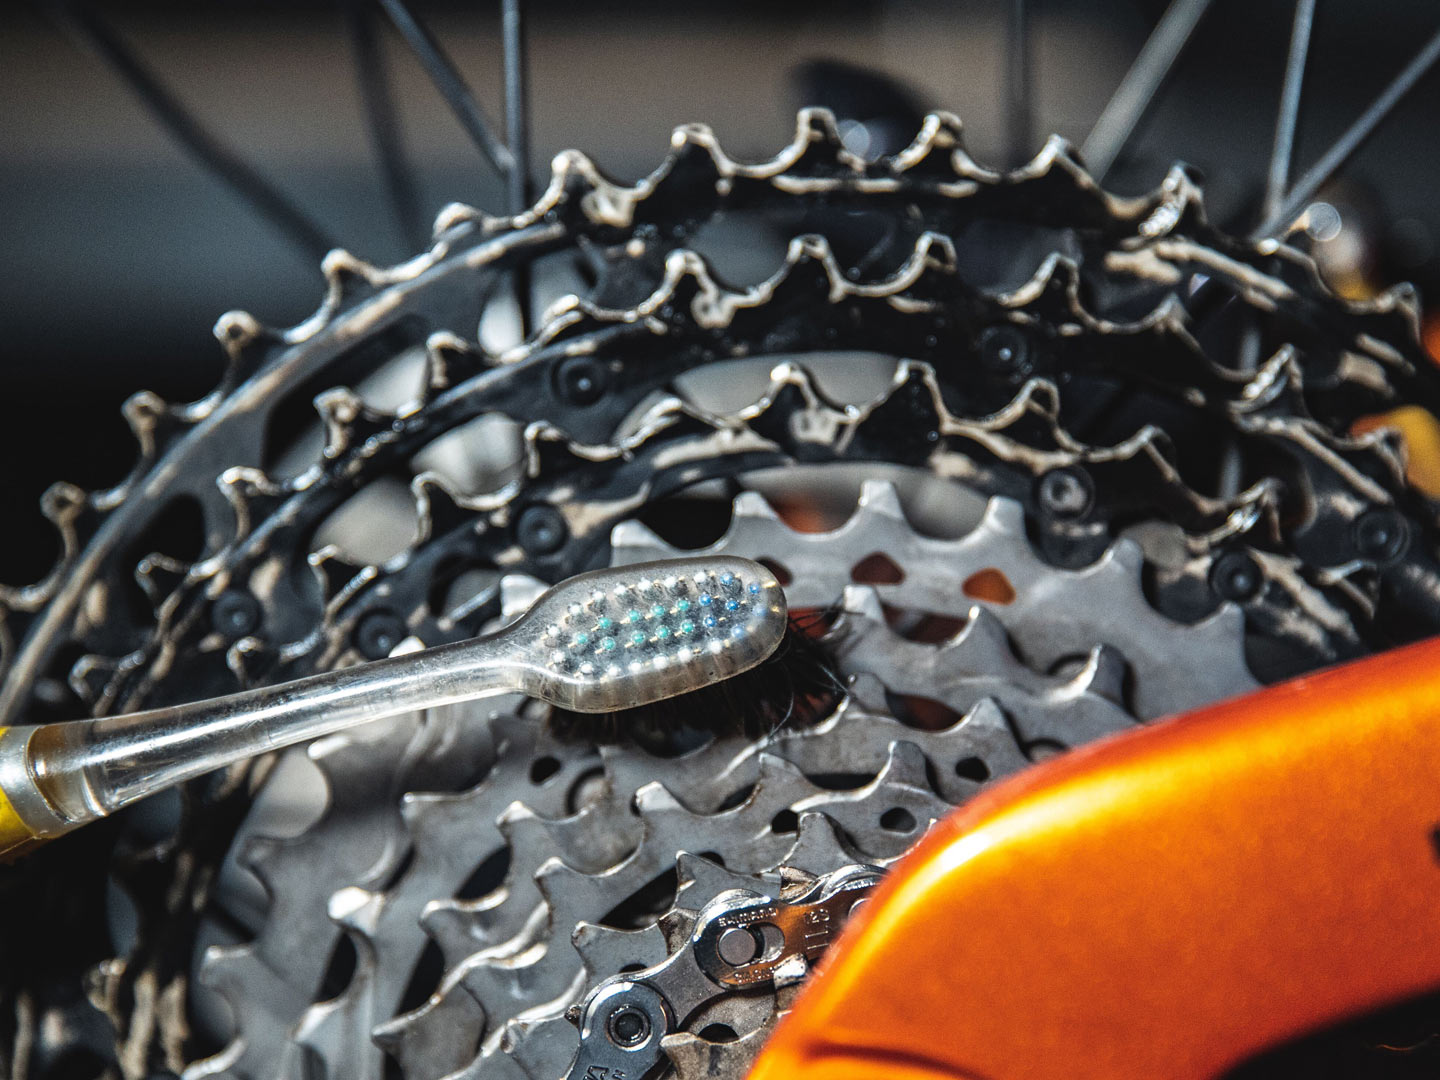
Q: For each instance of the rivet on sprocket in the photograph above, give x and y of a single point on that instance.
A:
(541, 530)
(1066, 493)
(378, 632)
(1004, 348)
(1235, 576)
(1380, 534)
(234, 614)
(581, 380)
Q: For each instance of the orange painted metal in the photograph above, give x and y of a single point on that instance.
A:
(1163, 904)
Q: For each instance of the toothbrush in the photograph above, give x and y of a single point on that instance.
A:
(600, 642)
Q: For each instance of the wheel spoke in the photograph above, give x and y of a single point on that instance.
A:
(1018, 101)
(207, 150)
(517, 104)
(1355, 137)
(517, 134)
(383, 122)
(450, 84)
(1288, 115)
(1137, 90)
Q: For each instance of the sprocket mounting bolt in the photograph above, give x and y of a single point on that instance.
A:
(1066, 493)
(541, 530)
(1235, 576)
(1380, 534)
(234, 614)
(581, 380)
(1004, 348)
(378, 632)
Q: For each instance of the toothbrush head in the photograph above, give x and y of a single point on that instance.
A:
(619, 639)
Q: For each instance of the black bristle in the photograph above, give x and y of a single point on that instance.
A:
(796, 686)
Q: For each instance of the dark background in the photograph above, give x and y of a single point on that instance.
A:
(117, 252)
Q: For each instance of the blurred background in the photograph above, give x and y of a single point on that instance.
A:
(119, 251)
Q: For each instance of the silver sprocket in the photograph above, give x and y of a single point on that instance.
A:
(996, 373)
(516, 958)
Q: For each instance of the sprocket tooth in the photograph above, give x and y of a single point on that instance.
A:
(455, 216)
(159, 575)
(982, 645)
(694, 136)
(1056, 155)
(349, 422)
(695, 1058)
(678, 924)
(628, 772)
(250, 659)
(451, 360)
(753, 505)
(543, 1048)
(438, 1033)
(252, 496)
(1051, 290)
(65, 506)
(337, 574)
(863, 602)
(817, 149)
(879, 498)
(792, 379)
(247, 344)
(634, 541)
(436, 1038)
(599, 946)
(153, 424)
(1178, 204)
(576, 183)
(1403, 299)
(349, 279)
(938, 153)
(439, 509)
(1103, 675)
(518, 593)
(336, 1031)
(1004, 518)
(493, 923)
(701, 880)
(1127, 557)
(90, 675)
(599, 835)
(819, 847)
(656, 799)
(1277, 383)
(929, 274)
(882, 819)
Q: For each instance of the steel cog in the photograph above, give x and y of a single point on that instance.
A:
(1002, 384)
(511, 968)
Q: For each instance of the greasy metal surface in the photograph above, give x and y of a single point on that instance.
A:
(789, 932)
(806, 924)
(513, 948)
(926, 258)
(1051, 613)
(1163, 904)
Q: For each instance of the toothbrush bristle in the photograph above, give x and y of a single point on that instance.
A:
(639, 634)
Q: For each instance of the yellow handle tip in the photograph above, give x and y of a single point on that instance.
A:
(15, 836)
